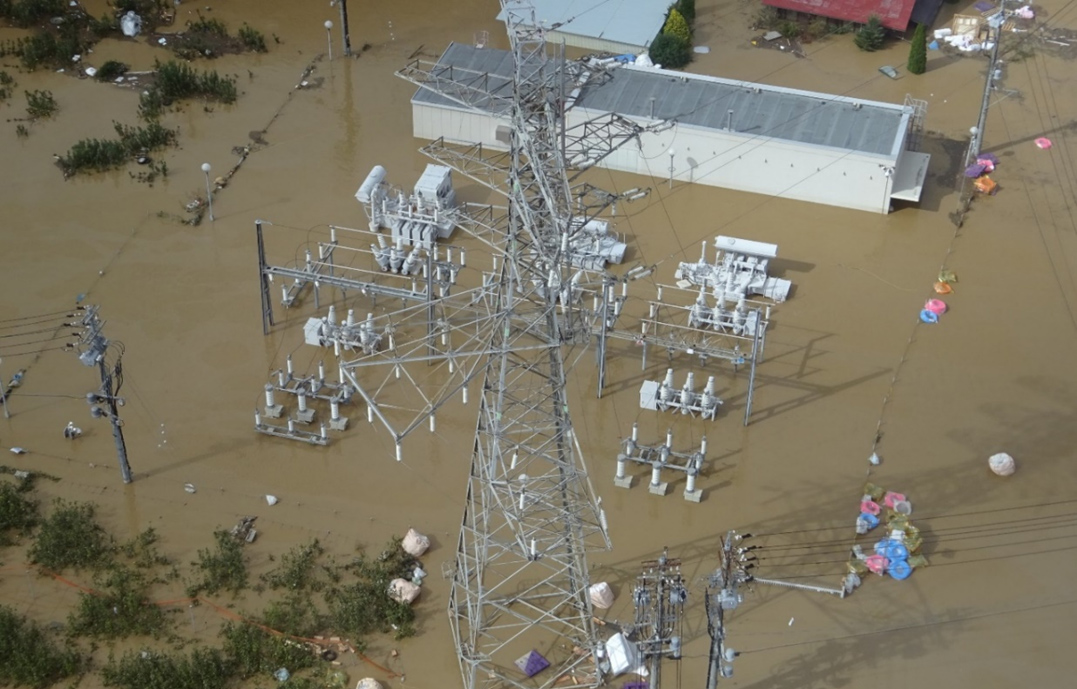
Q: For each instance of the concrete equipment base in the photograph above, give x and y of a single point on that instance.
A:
(694, 495)
(304, 416)
(274, 412)
(660, 489)
(340, 424)
(625, 482)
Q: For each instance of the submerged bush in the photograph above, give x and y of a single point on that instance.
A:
(670, 51)
(223, 568)
(70, 537)
(18, 513)
(97, 155)
(28, 657)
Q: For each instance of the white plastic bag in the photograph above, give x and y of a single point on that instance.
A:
(601, 595)
(415, 543)
(1002, 464)
(403, 591)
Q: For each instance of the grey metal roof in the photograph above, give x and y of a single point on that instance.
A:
(758, 110)
(632, 22)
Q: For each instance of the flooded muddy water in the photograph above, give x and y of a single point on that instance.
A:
(848, 364)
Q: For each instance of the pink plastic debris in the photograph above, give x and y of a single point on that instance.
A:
(870, 507)
(935, 306)
(1044, 142)
(876, 563)
(890, 498)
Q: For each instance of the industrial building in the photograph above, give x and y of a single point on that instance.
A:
(769, 140)
(613, 26)
(896, 15)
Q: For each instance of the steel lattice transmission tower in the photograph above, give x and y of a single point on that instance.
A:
(520, 581)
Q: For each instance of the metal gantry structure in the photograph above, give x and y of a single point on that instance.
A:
(657, 628)
(722, 596)
(507, 329)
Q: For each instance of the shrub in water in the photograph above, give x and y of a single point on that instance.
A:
(70, 537)
(870, 37)
(28, 657)
(670, 52)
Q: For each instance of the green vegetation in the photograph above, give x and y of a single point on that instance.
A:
(18, 512)
(361, 606)
(70, 537)
(672, 47)
(28, 657)
(870, 37)
(252, 651)
(21, 131)
(122, 609)
(687, 8)
(122, 606)
(766, 18)
(202, 669)
(25, 13)
(296, 569)
(918, 51)
(222, 568)
(7, 85)
(177, 81)
(105, 154)
(253, 39)
(40, 104)
(789, 30)
(677, 26)
(111, 70)
(670, 52)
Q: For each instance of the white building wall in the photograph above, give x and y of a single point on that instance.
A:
(593, 43)
(762, 165)
(457, 126)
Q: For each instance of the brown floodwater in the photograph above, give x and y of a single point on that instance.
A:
(847, 360)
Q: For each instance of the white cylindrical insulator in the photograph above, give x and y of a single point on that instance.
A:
(257, 418)
(289, 364)
(332, 314)
(669, 438)
(463, 258)
(703, 446)
(396, 369)
(269, 396)
(594, 304)
(351, 317)
(521, 499)
(621, 462)
(310, 263)
(635, 432)
(399, 453)
(302, 401)
(281, 379)
(515, 457)
(321, 371)
(370, 414)
(534, 549)
(656, 474)
(433, 427)
(284, 293)
(690, 484)
(690, 382)
(325, 432)
(340, 374)
(465, 394)
(336, 348)
(291, 425)
(334, 409)
(451, 366)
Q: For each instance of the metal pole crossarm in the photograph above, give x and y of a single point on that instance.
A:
(346, 283)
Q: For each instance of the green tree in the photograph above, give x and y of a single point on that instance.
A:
(670, 51)
(677, 26)
(870, 36)
(918, 51)
(687, 8)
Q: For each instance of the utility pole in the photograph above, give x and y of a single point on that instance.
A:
(977, 132)
(344, 25)
(722, 596)
(105, 401)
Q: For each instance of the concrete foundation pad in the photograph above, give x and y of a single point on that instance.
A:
(273, 412)
(693, 496)
(304, 416)
(625, 482)
(660, 489)
(340, 424)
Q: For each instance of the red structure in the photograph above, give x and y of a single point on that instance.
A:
(894, 14)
